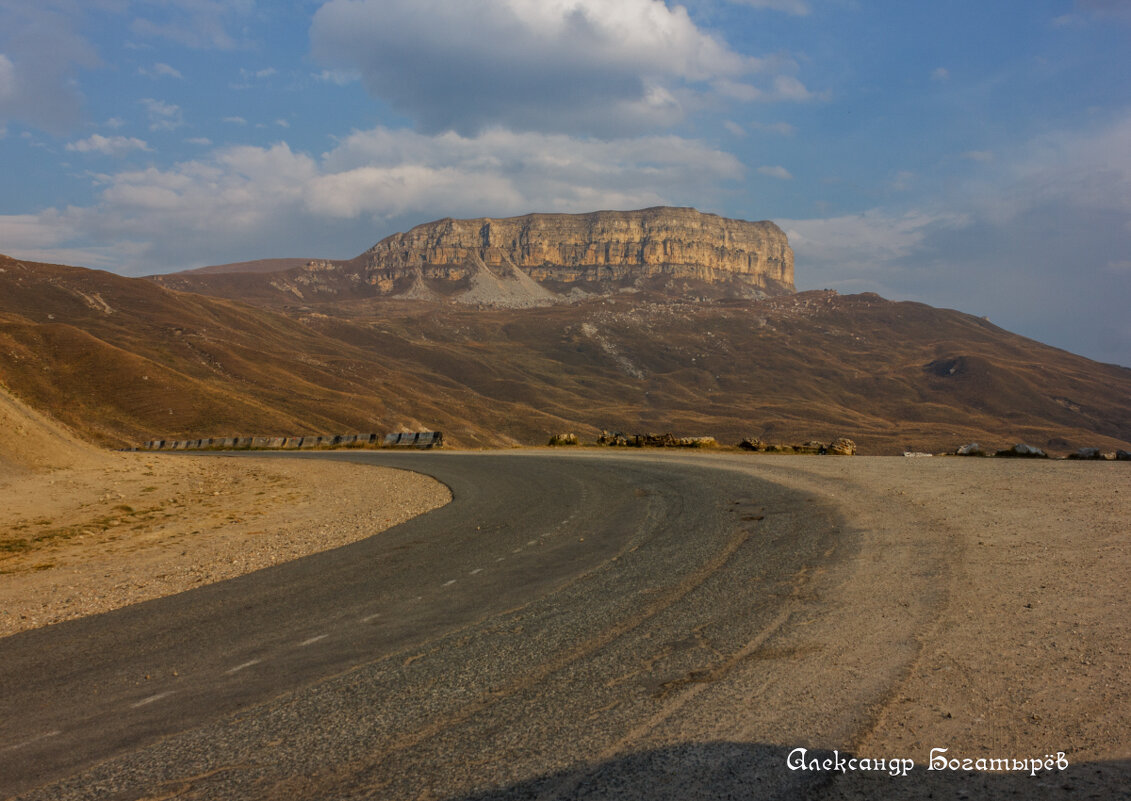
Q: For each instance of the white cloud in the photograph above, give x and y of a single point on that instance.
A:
(978, 155)
(7, 79)
(783, 128)
(798, 7)
(338, 77)
(1031, 235)
(248, 200)
(203, 24)
(115, 123)
(734, 128)
(902, 181)
(779, 172)
(236, 120)
(40, 50)
(163, 116)
(576, 66)
(108, 146)
(161, 70)
(199, 140)
(940, 74)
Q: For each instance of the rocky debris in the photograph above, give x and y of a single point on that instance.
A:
(841, 446)
(916, 454)
(1022, 451)
(614, 439)
(1123, 456)
(970, 449)
(698, 442)
(1087, 454)
(565, 439)
(667, 440)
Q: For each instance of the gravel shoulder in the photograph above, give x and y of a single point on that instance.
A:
(117, 529)
(1011, 577)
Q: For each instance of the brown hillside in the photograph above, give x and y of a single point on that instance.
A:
(125, 360)
(30, 441)
(256, 266)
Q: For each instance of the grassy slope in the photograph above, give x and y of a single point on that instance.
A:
(124, 360)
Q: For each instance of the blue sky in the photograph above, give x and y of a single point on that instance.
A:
(971, 155)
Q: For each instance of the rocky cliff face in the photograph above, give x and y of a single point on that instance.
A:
(534, 260)
(586, 250)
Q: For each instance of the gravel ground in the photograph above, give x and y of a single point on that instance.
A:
(130, 527)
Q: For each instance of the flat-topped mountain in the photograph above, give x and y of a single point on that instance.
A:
(536, 260)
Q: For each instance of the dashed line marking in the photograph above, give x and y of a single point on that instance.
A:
(238, 668)
(312, 640)
(500, 559)
(532, 542)
(449, 583)
(31, 741)
(151, 699)
(371, 617)
(476, 570)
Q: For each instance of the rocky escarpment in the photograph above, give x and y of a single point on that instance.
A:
(600, 246)
(537, 260)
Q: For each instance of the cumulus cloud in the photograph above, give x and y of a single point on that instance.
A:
(203, 24)
(783, 128)
(798, 7)
(163, 116)
(251, 200)
(161, 70)
(40, 50)
(576, 66)
(779, 172)
(7, 79)
(107, 145)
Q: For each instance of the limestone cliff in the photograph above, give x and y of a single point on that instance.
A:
(600, 248)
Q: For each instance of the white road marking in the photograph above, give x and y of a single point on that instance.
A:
(532, 542)
(312, 640)
(151, 699)
(500, 559)
(449, 583)
(371, 617)
(32, 740)
(476, 570)
(238, 668)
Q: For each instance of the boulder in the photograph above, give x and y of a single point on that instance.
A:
(698, 442)
(752, 444)
(970, 449)
(564, 439)
(842, 446)
(1087, 453)
(1123, 456)
(1022, 451)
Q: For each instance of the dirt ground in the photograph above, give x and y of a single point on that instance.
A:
(127, 527)
(1012, 577)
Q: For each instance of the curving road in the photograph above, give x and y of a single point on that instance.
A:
(568, 627)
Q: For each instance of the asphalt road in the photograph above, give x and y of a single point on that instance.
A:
(558, 631)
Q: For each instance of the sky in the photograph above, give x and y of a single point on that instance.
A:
(969, 154)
